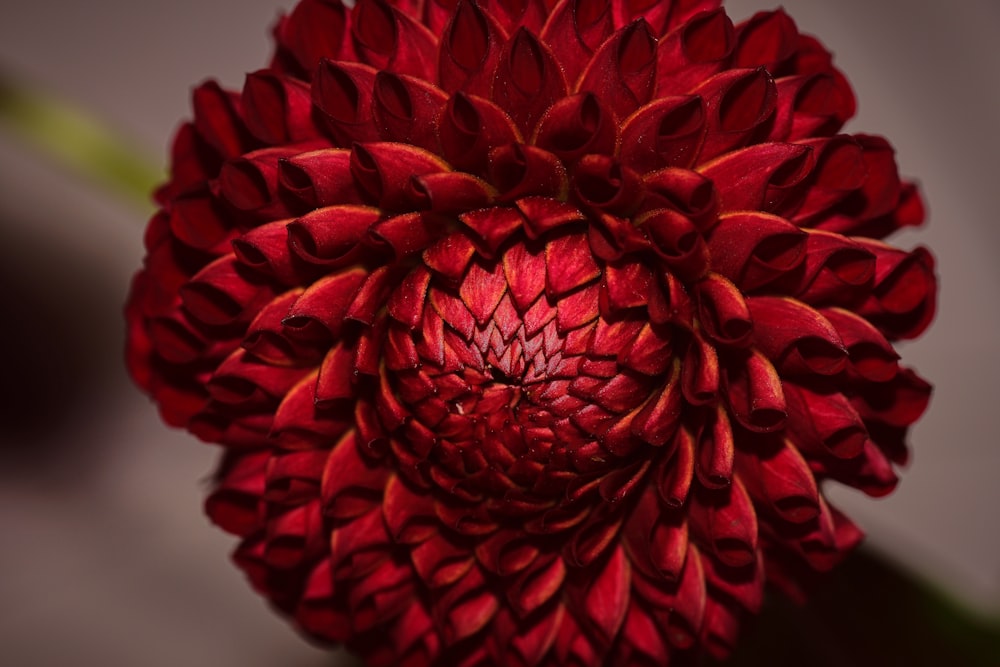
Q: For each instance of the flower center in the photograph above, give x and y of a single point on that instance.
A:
(514, 393)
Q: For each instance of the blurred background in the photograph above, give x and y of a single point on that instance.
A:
(105, 556)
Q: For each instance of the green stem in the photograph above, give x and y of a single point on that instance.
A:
(78, 141)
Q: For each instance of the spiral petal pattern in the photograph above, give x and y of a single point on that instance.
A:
(531, 330)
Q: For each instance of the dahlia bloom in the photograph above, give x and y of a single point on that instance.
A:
(531, 329)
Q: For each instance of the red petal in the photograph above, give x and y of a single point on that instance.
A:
(607, 597)
(407, 109)
(388, 39)
(768, 39)
(319, 178)
(755, 395)
(726, 520)
(693, 52)
(780, 479)
(722, 311)
(482, 290)
(351, 486)
(384, 171)
(519, 170)
(528, 80)
(759, 177)
(795, 337)
(623, 70)
(471, 128)
(575, 126)
(568, 264)
(821, 423)
(575, 29)
(753, 249)
(342, 92)
(471, 47)
(676, 125)
(224, 292)
(277, 109)
(739, 103)
(331, 237)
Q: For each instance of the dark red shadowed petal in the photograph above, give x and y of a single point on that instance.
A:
(725, 520)
(607, 596)
(330, 236)
(407, 110)
(687, 192)
(716, 448)
(383, 171)
(342, 93)
(471, 48)
(796, 338)
(512, 14)
(242, 380)
(759, 177)
(319, 178)
(235, 504)
(265, 249)
(315, 30)
(623, 70)
(877, 197)
(574, 30)
(218, 121)
(835, 270)
(839, 169)
(780, 479)
(870, 355)
(739, 103)
(528, 80)
(822, 423)
(266, 338)
(742, 586)
(351, 485)
(904, 298)
(388, 39)
(519, 171)
(575, 126)
(693, 52)
(898, 403)
(250, 183)
(657, 421)
(767, 39)
(471, 128)
(755, 393)
(677, 241)
(568, 264)
(223, 293)
(722, 311)
(811, 105)
(277, 109)
(753, 249)
(675, 124)
(451, 192)
(700, 372)
(321, 308)
(407, 234)
(200, 221)
(603, 184)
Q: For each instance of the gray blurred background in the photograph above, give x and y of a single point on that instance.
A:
(105, 557)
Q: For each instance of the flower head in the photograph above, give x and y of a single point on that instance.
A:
(531, 329)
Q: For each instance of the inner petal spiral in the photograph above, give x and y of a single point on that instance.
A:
(520, 380)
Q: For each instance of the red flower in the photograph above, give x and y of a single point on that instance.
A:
(530, 329)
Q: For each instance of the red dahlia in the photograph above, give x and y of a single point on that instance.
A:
(530, 329)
